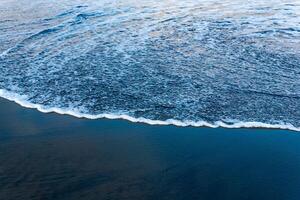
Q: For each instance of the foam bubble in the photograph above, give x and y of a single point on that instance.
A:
(23, 101)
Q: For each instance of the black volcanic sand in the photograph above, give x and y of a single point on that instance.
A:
(51, 156)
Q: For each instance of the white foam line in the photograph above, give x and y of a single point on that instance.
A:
(4, 53)
(22, 100)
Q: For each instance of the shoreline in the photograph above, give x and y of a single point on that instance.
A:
(21, 100)
(53, 156)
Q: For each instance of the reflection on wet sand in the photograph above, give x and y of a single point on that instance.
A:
(61, 157)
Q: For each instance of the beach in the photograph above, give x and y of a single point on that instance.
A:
(52, 156)
(149, 100)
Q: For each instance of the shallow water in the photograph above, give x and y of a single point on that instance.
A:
(196, 62)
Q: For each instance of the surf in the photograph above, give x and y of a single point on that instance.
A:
(22, 101)
(184, 64)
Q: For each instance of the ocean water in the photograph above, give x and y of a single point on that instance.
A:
(225, 63)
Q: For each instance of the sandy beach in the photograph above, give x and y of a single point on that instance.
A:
(51, 156)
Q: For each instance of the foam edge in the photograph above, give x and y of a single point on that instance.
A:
(22, 100)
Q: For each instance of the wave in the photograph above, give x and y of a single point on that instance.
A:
(23, 101)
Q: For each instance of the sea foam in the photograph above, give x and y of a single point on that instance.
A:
(23, 101)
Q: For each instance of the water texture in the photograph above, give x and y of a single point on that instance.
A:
(200, 63)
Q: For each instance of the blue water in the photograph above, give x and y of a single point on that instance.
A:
(216, 62)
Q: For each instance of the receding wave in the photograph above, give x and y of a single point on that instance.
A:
(21, 100)
(187, 63)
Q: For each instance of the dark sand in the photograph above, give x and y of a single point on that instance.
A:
(51, 156)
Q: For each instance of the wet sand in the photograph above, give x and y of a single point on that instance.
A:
(51, 156)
